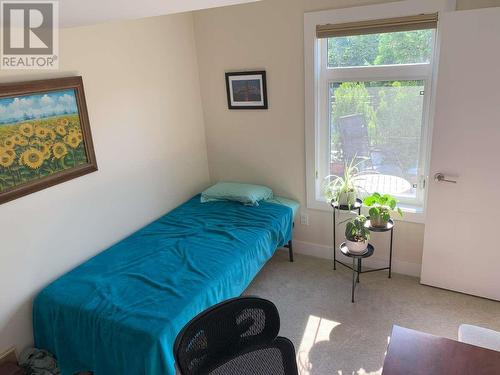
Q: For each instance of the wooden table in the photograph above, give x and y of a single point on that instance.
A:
(10, 368)
(383, 183)
(416, 353)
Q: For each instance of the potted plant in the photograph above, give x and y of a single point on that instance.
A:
(357, 235)
(343, 189)
(381, 208)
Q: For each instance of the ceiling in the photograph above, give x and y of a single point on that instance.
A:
(88, 12)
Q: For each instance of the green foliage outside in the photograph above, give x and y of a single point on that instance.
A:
(404, 48)
(360, 50)
(392, 110)
(352, 98)
(399, 116)
(408, 47)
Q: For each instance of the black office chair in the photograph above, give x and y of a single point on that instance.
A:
(238, 336)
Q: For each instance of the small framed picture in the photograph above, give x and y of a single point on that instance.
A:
(246, 90)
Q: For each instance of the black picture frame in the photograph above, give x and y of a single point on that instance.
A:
(260, 91)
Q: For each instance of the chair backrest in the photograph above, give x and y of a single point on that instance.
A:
(238, 336)
(354, 137)
(276, 358)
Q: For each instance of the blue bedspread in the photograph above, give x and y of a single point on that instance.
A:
(119, 312)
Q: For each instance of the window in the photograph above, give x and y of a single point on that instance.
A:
(372, 106)
(397, 48)
(379, 125)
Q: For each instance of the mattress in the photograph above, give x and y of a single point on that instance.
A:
(119, 312)
(286, 202)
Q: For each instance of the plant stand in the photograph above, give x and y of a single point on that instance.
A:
(355, 207)
(388, 228)
(356, 270)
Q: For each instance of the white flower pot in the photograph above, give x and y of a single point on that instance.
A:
(378, 222)
(356, 247)
(347, 198)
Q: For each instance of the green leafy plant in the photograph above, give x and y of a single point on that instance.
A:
(336, 186)
(356, 231)
(381, 208)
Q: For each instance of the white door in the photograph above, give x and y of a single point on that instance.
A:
(462, 230)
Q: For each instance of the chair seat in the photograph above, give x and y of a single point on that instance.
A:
(479, 336)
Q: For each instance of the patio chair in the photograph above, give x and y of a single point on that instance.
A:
(355, 140)
(356, 145)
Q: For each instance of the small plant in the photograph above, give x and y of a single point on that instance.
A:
(356, 231)
(343, 190)
(357, 235)
(381, 208)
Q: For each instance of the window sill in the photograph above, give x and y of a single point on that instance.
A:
(412, 214)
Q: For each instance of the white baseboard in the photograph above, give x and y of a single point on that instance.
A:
(326, 252)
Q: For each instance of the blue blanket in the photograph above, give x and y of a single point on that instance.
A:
(119, 312)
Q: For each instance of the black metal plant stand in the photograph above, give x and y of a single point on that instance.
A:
(356, 270)
(351, 208)
(388, 228)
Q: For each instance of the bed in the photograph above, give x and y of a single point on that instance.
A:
(119, 312)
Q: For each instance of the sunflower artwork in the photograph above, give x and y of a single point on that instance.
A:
(42, 139)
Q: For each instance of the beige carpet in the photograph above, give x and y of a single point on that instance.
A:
(334, 336)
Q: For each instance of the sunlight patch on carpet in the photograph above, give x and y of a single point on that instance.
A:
(317, 330)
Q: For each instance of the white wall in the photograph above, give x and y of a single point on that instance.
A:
(91, 12)
(143, 97)
(475, 4)
(141, 82)
(267, 147)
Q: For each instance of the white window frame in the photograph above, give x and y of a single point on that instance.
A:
(316, 95)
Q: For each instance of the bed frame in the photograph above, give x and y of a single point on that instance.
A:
(290, 250)
(289, 246)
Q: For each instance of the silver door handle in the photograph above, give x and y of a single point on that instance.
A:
(439, 177)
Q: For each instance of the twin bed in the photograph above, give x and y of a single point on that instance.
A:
(119, 312)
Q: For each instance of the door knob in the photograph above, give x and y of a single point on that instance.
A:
(440, 177)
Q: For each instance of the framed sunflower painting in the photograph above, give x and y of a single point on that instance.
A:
(45, 135)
